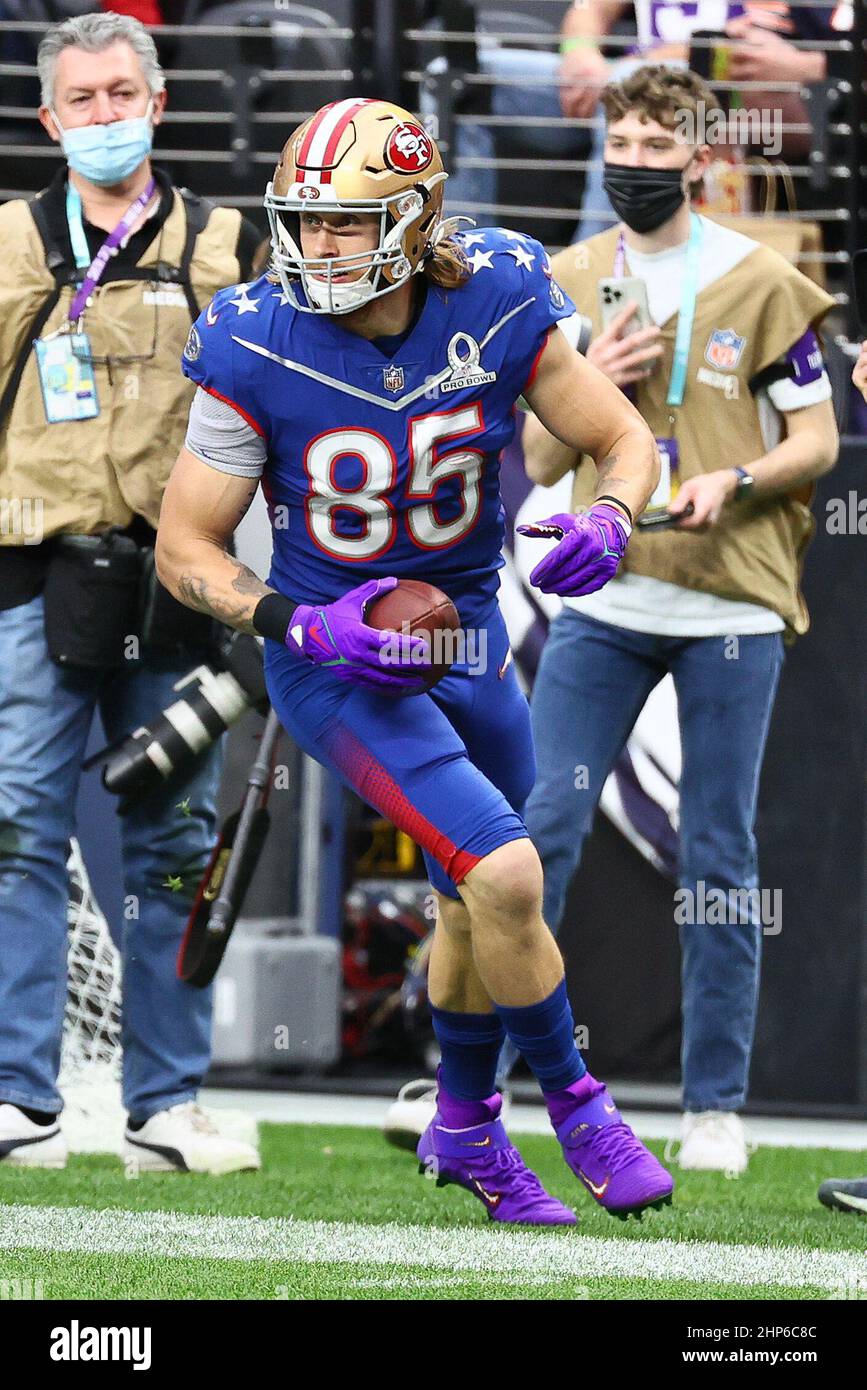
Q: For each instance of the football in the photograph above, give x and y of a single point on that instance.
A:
(424, 611)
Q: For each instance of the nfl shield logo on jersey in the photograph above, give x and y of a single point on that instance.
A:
(724, 349)
(392, 378)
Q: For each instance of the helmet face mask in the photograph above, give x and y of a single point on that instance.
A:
(355, 157)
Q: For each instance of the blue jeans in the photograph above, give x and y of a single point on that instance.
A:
(592, 683)
(537, 94)
(45, 717)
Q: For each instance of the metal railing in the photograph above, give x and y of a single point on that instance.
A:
(232, 105)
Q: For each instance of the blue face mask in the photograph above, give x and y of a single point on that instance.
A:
(107, 154)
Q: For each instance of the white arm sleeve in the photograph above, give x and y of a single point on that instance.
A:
(223, 439)
(577, 330)
(788, 395)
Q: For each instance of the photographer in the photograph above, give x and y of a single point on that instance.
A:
(104, 270)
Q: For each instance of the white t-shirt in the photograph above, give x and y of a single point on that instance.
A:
(636, 601)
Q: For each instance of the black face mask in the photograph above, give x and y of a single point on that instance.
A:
(643, 198)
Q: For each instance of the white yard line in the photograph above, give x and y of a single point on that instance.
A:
(315, 1108)
(485, 1251)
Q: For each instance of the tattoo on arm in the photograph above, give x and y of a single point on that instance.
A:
(605, 470)
(245, 501)
(607, 478)
(197, 592)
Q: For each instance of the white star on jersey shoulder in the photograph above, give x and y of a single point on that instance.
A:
(522, 257)
(472, 238)
(243, 303)
(480, 260)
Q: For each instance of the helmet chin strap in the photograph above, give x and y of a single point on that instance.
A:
(338, 298)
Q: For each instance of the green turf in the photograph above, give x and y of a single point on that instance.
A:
(350, 1175)
(85, 1276)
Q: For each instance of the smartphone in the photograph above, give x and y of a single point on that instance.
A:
(614, 294)
(662, 520)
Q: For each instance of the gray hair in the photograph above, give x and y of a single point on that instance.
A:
(93, 33)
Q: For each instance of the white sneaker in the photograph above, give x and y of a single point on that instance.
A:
(715, 1141)
(185, 1139)
(25, 1144)
(407, 1118)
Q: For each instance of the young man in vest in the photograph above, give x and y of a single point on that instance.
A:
(729, 376)
(91, 423)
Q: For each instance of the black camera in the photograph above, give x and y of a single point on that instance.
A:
(212, 697)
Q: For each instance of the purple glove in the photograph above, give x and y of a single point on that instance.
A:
(591, 547)
(336, 636)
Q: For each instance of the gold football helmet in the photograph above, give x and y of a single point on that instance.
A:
(357, 156)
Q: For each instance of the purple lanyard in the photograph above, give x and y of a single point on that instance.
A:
(108, 248)
(620, 257)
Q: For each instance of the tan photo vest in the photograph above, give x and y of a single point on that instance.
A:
(86, 475)
(755, 551)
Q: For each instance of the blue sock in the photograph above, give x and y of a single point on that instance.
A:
(470, 1046)
(544, 1034)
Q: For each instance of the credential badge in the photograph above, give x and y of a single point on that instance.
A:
(466, 370)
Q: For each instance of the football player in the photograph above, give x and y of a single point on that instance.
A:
(369, 382)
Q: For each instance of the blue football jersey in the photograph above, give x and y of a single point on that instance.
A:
(386, 464)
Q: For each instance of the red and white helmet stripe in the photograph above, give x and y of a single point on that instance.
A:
(315, 158)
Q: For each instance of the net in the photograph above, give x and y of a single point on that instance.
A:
(93, 1114)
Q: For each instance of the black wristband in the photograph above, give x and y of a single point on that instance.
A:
(272, 616)
(606, 497)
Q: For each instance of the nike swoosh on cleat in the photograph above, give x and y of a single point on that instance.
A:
(609, 1109)
(492, 1198)
(859, 1203)
(599, 1191)
(476, 1143)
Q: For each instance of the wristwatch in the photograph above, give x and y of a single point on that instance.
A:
(745, 485)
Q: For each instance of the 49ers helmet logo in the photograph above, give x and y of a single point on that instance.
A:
(408, 149)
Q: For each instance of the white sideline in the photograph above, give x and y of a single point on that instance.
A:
(173, 1234)
(318, 1108)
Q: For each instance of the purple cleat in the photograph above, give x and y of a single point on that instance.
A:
(482, 1160)
(604, 1153)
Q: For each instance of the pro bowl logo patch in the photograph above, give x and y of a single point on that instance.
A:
(724, 349)
(193, 347)
(409, 149)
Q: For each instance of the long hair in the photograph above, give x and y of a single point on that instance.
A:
(447, 266)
